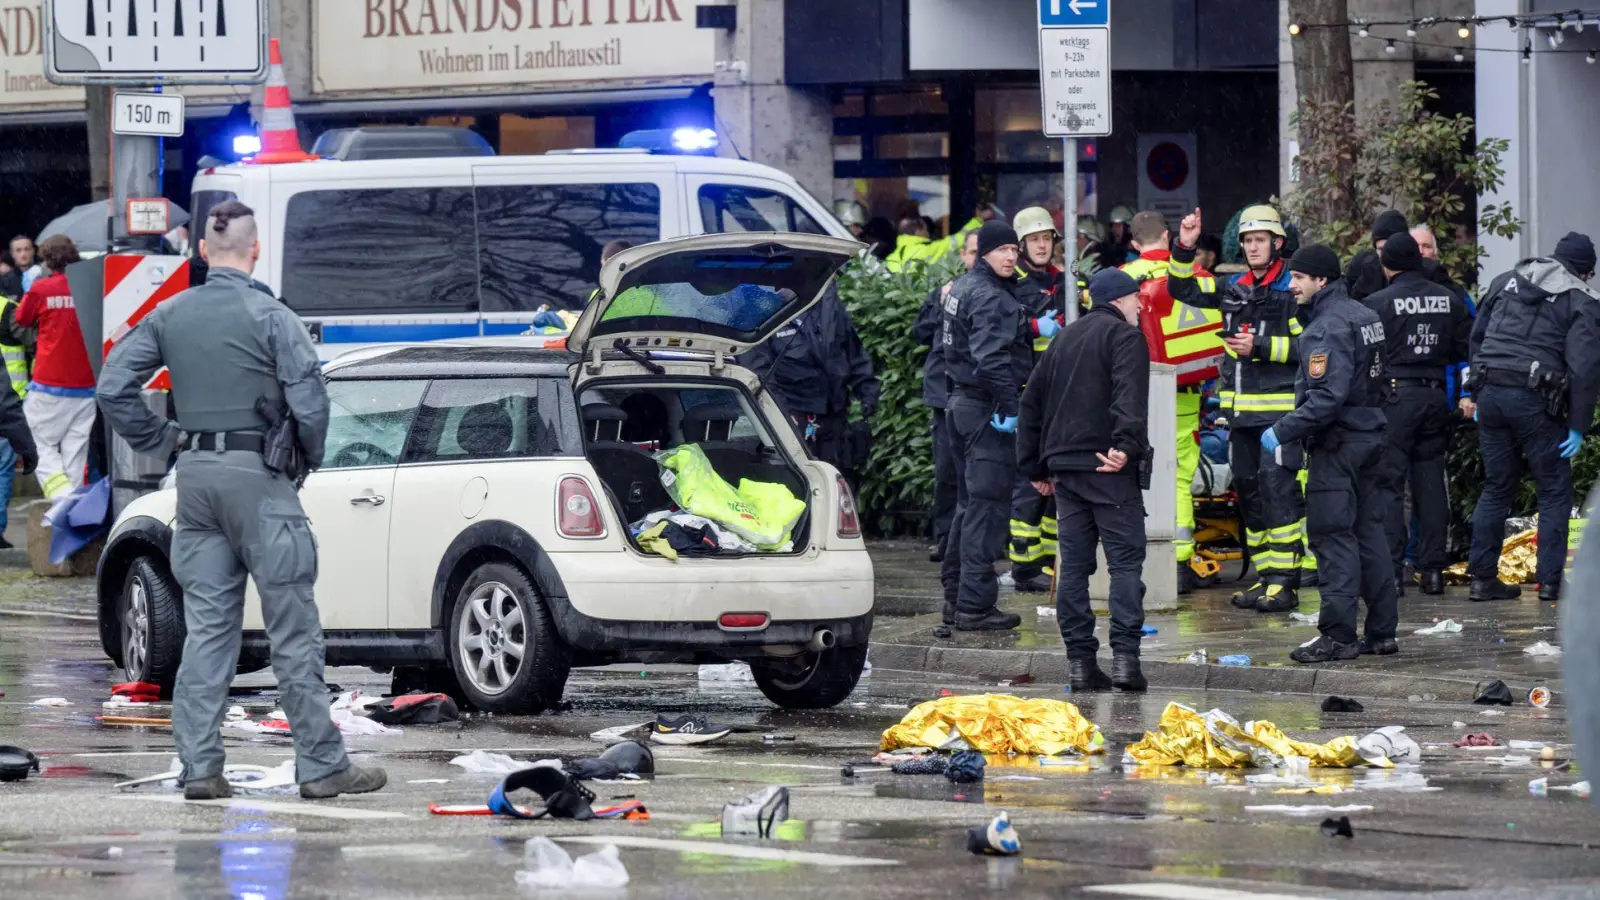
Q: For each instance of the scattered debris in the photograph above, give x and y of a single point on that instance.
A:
(546, 865)
(119, 701)
(133, 721)
(1492, 712)
(1458, 724)
(1539, 787)
(1045, 612)
(137, 691)
(16, 763)
(1339, 827)
(481, 762)
(1542, 648)
(1447, 626)
(52, 701)
(727, 673)
(1148, 630)
(1303, 618)
(617, 733)
(1493, 693)
(1394, 780)
(564, 796)
(1234, 659)
(1307, 810)
(1581, 788)
(758, 813)
(997, 838)
(1422, 698)
(1526, 745)
(241, 777)
(1480, 739)
(684, 730)
(966, 767)
(1391, 743)
(627, 758)
(1198, 658)
(429, 781)
(996, 723)
(415, 709)
(1539, 696)
(1342, 704)
(1510, 760)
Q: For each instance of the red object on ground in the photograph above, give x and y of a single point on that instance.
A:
(1481, 739)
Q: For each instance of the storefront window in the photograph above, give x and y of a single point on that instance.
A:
(913, 146)
(521, 136)
(928, 102)
(1026, 166)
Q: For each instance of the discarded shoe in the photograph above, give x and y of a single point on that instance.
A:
(353, 780)
(1432, 582)
(1247, 598)
(1324, 650)
(1277, 598)
(1342, 704)
(1485, 589)
(997, 838)
(684, 730)
(1550, 593)
(1494, 693)
(1126, 674)
(215, 787)
(1339, 827)
(993, 620)
(626, 758)
(757, 813)
(1086, 675)
(966, 767)
(1379, 647)
(564, 796)
(1038, 584)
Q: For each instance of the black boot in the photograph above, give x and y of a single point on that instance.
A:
(948, 614)
(1249, 597)
(1432, 582)
(1277, 599)
(989, 620)
(1085, 675)
(214, 788)
(1549, 593)
(1484, 589)
(1125, 673)
(1379, 647)
(1399, 586)
(1037, 584)
(1324, 650)
(1186, 579)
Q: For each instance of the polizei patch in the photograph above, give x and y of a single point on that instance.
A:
(1317, 366)
(1421, 306)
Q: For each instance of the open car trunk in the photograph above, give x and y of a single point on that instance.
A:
(650, 444)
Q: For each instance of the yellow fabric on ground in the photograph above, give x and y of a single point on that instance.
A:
(1217, 741)
(997, 723)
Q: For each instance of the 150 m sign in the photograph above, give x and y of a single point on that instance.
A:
(151, 115)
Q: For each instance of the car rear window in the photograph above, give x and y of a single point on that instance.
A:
(464, 419)
(729, 208)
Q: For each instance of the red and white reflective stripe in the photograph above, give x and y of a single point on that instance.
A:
(134, 287)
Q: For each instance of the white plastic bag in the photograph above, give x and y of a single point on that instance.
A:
(1543, 648)
(549, 866)
(480, 762)
(1447, 626)
(1391, 743)
(350, 723)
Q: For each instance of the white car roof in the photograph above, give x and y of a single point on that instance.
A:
(320, 170)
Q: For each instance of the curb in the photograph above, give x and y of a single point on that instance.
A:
(1051, 667)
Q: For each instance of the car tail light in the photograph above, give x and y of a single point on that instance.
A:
(849, 521)
(743, 620)
(577, 513)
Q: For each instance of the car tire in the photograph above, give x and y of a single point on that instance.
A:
(497, 612)
(826, 682)
(150, 623)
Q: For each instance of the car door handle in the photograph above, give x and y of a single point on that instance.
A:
(370, 499)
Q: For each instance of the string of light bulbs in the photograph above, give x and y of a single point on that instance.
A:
(1554, 24)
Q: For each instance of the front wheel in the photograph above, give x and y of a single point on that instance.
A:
(150, 616)
(826, 680)
(504, 648)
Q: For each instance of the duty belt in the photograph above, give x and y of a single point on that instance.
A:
(1505, 378)
(1416, 382)
(221, 441)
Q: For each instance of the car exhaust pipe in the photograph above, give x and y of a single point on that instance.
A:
(822, 640)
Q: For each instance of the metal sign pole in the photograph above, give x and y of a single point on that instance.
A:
(1069, 220)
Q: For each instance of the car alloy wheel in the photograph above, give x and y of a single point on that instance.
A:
(492, 637)
(136, 630)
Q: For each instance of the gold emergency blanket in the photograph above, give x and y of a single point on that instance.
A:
(997, 723)
(1519, 554)
(1217, 741)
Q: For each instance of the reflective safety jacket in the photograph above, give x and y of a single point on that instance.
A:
(1188, 337)
(1257, 388)
(1039, 293)
(15, 355)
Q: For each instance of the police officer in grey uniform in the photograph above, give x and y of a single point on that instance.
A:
(226, 345)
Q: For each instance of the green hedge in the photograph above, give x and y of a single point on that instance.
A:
(1465, 466)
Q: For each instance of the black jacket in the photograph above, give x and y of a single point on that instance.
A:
(815, 362)
(935, 383)
(1089, 394)
(14, 428)
(1364, 276)
(11, 284)
(1541, 314)
(986, 339)
(1427, 327)
(1341, 360)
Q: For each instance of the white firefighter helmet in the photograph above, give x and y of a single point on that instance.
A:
(1033, 220)
(849, 212)
(1121, 214)
(1261, 218)
(1090, 227)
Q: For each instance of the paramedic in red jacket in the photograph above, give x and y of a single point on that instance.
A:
(60, 403)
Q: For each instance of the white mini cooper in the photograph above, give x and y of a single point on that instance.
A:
(473, 510)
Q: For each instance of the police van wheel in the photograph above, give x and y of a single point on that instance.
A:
(150, 619)
(828, 677)
(503, 645)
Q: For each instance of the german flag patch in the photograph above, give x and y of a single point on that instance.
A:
(1317, 366)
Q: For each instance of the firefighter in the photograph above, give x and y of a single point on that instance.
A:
(1188, 338)
(1040, 291)
(1118, 249)
(1428, 329)
(1260, 322)
(1339, 416)
(985, 342)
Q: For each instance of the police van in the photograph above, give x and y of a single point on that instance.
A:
(420, 234)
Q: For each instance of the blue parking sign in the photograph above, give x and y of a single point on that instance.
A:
(1074, 13)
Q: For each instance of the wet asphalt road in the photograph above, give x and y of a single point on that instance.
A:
(1086, 831)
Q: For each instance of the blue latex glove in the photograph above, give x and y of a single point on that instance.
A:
(1004, 425)
(1573, 443)
(1269, 440)
(1047, 325)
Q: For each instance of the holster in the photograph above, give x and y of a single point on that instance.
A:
(280, 446)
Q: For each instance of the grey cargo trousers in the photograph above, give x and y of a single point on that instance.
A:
(235, 519)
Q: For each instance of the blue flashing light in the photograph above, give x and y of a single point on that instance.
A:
(694, 140)
(687, 140)
(246, 144)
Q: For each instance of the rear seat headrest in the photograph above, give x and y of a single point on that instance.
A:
(603, 412)
(709, 422)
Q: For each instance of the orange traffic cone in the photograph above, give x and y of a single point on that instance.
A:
(280, 140)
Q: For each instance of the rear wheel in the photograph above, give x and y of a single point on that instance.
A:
(826, 680)
(150, 618)
(503, 646)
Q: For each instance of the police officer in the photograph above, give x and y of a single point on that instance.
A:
(1084, 439)
(812, 366)
(1040, 289)
(1338, 417)
(226, 345)
(1535, 373)
(1427, 329)
(936, 396)
(1260, 322)
(988, 354)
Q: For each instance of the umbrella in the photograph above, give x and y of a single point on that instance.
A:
(86, 225)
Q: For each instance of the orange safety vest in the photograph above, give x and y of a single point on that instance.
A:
(1188, 337)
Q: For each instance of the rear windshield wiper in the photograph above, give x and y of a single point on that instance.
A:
(653, 367)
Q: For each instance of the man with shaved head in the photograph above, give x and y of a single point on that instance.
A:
(231, 350)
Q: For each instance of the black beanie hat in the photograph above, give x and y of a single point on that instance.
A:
(995, 234)
(1317, 260)
(1577, 252)
(1109, 285)
(1389, 223)
(1401, 254)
